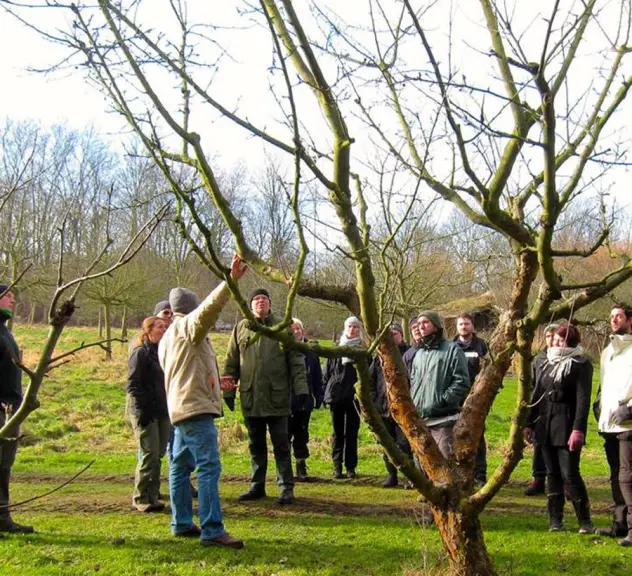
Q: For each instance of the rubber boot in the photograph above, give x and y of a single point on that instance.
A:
(555, 506)
(6, 522)
(582, 511)
(338, 473)
(286, 497)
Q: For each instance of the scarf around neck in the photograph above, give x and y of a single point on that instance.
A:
(432, 341)
(561, 361)
(345, 341)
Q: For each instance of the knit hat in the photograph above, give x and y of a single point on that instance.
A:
(182, 300)
(433, 317)
(3, 287)
(162, 305)
(258, 292)
(397, 327)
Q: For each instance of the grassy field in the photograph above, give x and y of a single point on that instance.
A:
(336, 527)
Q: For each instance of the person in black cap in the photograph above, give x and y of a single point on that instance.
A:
(163, 311)
(380, 399)
(266, 374)
(10, 400)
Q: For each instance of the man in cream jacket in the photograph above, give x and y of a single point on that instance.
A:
(194, 401)
(613, 409)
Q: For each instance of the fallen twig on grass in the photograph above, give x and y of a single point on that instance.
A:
(40, 496)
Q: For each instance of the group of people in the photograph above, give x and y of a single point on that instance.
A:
(558, 419)
(176, 390)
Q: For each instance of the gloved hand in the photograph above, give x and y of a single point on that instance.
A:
(528, 434)
(230, 402)
(622, 414)
(576, 441)
(303, 401)
(144, 419)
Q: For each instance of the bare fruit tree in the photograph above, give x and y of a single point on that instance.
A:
(510, 132)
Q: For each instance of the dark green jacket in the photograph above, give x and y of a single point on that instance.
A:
(266, 373)
(439, 380)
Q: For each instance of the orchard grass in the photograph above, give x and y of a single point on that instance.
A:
(336, 527)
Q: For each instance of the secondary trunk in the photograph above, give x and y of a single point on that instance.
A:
(107, 320)
(462, 537)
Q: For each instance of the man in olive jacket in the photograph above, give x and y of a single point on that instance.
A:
(266, 375)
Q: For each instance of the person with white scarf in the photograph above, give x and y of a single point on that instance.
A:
(339, 382)
(557, 422)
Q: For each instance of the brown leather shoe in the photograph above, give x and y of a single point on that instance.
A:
(226, 541)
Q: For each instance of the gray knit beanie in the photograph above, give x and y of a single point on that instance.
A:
(433, 317)
(182, 300)
(397, 327)
(162, 305)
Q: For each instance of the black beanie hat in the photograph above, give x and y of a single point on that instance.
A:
(258, 292)
(3, 287)
(162, 305)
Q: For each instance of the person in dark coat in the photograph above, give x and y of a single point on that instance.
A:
(10, 400)
(340, 378)
(415, 333)
(148, 413)
(380, 399)
(538, 468)
(302, 411)
(558, 420)
(475, 349)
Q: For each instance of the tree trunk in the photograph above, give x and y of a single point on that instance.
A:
(124, 323)
(100, 322)
(108, 330)
(462, 537)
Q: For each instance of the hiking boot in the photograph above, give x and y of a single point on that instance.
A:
(627, 541)
(535, 487)
(351, 473)
(252, 494)
(191, 532)
(586, 529)
(582, 511)
(286, 497)
(338, 473)
(149, 506)
(8, 525)
(555, 507)
(390, 481)
(225, 541)
(301, 470)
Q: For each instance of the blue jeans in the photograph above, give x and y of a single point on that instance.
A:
(195, 445)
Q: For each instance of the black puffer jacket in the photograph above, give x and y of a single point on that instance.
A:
(378, 385)
(474, 350)
(558, 408)
(146, 383)
(339, 381)
(314, 383)
(10, 374)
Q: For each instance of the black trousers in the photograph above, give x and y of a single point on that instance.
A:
(345, 419)
(562, 466)
(619, 456)
(299, 434)
(258, 447)
(395, 432)
(8, 451)
(480, 465)
(538, 467)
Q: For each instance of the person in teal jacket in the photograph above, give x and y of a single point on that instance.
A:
(439, 380)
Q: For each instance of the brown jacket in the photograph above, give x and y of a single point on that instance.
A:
(189, 362)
